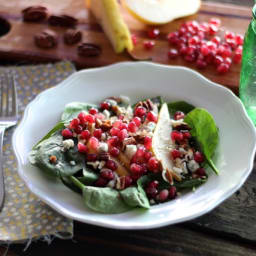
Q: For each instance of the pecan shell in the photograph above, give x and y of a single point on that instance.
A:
(46, 39)
(72, 36)
(88, 50)
(35, 13)
(62, 20)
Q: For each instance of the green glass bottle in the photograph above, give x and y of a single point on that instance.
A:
(247, 90)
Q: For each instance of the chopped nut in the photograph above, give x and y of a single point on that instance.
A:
(35, 13)
(46, 39)
(88, 50)
(72, 36)
(103, 156)
(53, 159)
(62, 20)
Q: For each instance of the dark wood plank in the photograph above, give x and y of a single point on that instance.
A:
(172, 240)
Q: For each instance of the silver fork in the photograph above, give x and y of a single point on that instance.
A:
(8, 118)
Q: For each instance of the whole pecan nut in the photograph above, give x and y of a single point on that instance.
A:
(46, 39)
(35, 13)
(72, 36)
(62, 20)
(88, 50)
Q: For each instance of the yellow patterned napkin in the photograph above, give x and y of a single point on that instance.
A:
(24, 216)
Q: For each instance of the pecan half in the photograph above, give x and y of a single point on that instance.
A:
(129, 141)
(106, 125)
(62, 20)
(72, 36)
(35, 13)
(103, 156)
(147, 104)
(46, 39)
(88, 50)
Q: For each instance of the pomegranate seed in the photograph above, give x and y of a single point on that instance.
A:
(216, 40)
(74, 123)
(190, 58)
(191, 50)
(123, 134)
(121, 117)
(176, 136)
(163, 195)
(239, 39)
(114, 151)
(105, 105)
(173, 54)
(182, 41)
(110, 164)
(212, 46)
(218, 60)
(172, 192)
(153, 184)
(204, 50)
(232, 43)
(107, 174)
(182, 31)
(183, 50)
(153, 164)
(90, 119)
(153, 33)
(148, 142)
(137, 121)
(93, 143)
(91, 157)
(223, 68)
(201, 35)
(100, 182)
(229, 35)
(97, 133)
(99, 116)
(178, 115)
(114, 131)
(113, 141)
(81, 117)
(85, 135)
(204, 27)
(82, 148)
(117, 124)
(227, 52)
(210, 58)
(134, 39)
(213, 29)
(140, 111)
(198, 157)
(186, 135)
(149, 44)
(215, 21)
(151, 117)
(123, 126)
(228, 61)
(132, 127)
(93, 111)
(238, 55)
(127, 181)
(193, 40)
(78, 129)
(151, 192)
(201, 172)
(173, 38)
(175, 154)
(201, 64)
(66, 133)
(147, 155)
(135, 168)
(140, 152)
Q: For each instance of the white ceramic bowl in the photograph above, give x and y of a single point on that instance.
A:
(139, 80)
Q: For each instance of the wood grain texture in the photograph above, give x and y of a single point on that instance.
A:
(18, 44)
(168, 241)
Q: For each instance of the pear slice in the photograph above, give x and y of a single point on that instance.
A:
(161, 11)
(107, 13)
(162, 144)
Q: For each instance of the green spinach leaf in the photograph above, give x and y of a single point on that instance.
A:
(205, 131)
(189, 183)
(73, 109)
(179, 106)
(89, 176)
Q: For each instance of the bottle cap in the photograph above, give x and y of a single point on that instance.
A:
(254, 11)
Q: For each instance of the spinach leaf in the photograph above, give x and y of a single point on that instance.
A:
(67, 181)
(135, 197)
(179, 106)
(73, 109)
(205, 131)
(89, 176)
(56, 128)
(40, 155)
(189, 183)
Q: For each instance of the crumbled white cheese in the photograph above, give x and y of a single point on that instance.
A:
(111, 102)
(67, 144)
(103, 147)
(129, 112)
(111, 184)
(94, 164)
(176, 122)
(182, 150)
(101, 164)
(106, 113)
(151, 126)
(193, 165)
(125, 99)
(184, 168)
(130, 150)
(103, 136)
(72, 163)
(177, 170)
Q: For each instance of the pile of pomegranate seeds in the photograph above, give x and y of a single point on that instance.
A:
(204, 44)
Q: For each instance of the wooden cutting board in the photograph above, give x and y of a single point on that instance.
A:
(18, 43)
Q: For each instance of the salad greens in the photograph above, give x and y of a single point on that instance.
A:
(72, 167)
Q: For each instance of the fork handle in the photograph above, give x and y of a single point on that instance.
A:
(1, 168)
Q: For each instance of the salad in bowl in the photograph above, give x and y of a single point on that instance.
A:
(120, 156)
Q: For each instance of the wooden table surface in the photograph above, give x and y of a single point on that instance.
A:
(230, 229)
